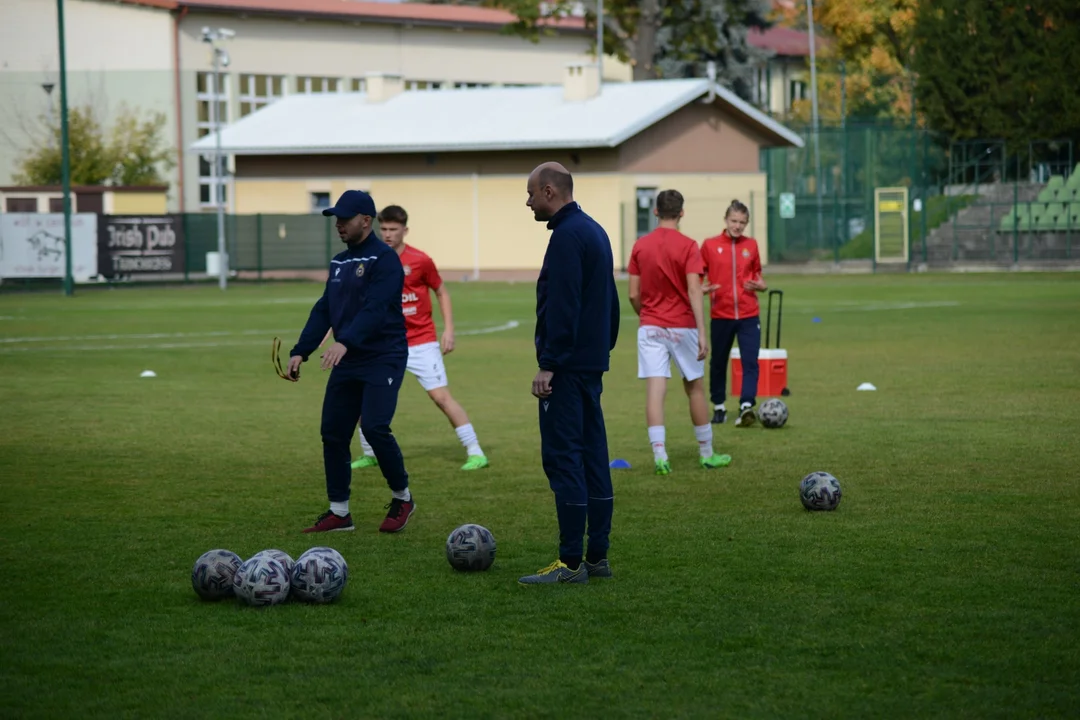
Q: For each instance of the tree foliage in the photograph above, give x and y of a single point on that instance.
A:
(132, 153)
(1000, 69)
(661, 37)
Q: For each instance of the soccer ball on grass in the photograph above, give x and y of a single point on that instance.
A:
(319, 575)
(262, 580)
(819, 491)
(212, 576)
(773, 413)
(470, 547)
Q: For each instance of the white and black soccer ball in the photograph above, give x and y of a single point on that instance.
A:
(281, 555)
(262, 580)
(319, 575)
(470, 548)
(819, 491)
(213, 574)
(773, 413)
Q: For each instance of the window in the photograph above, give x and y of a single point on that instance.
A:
(423, 85)
(310, 84)
(257, 91)
(762, 95)
(319, 201)
(358, 85)
(22, 205)
(796, 91)
(206, 97)
(646, 220)
(460, 85)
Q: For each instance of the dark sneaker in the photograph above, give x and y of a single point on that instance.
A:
(329, 522)
(557, 572)
(747, 417)
(398, 516)
(601, 569)
(719, 417)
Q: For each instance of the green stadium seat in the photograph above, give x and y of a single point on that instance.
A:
(1046, 223)
(1074, 180)
(1011, 218)
(1047, 195)
(1056, 181)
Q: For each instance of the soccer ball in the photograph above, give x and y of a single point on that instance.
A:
(819, 491)
(281, 555)
(212, 576)
(470, 547)
(262, 580)
(319, 575)
(773, 413)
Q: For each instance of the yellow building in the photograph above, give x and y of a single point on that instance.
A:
(458, 162)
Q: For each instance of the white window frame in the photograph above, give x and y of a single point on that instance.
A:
(206, 127)
(316, 85)
(424, 85)
(249, 95)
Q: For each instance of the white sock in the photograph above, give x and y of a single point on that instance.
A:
(341, 509)
(467, 436)
(744, 406)
(720, 407)
(703, 433)
(403, 495)
(656, 439)
(364, 444)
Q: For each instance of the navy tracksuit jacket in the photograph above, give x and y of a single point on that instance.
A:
(577, 324)
(362, 303)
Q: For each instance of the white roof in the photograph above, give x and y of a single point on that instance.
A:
(484, 119)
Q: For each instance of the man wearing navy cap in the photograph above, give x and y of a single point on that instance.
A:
(362, 305)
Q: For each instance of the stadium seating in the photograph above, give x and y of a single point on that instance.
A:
(1056, 209)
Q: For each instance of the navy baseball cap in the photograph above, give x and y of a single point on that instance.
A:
(352, 203)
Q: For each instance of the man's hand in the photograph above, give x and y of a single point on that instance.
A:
(756, 285)
(702, 346)
(447, 343)
(542, 384)
(294, 367)
(708, 288)
(332, 356)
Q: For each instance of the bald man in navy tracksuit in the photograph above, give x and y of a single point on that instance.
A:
(577, 324)
(362, 304)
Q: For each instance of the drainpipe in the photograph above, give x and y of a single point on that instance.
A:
(182, 191)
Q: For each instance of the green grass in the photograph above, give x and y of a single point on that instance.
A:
(939, 209)
(947, 584)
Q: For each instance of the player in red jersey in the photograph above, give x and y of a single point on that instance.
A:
(425, 349)
(665, 290)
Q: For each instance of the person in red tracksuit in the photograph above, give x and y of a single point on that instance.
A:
(733, 274)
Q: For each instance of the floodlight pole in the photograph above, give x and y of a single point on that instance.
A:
(817, 130)
(217, 177)
(65, 154)
(600, 39)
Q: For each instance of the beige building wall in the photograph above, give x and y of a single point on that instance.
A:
(121, 203)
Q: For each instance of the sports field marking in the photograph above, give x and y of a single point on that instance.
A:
(133, 336)
(494, 329)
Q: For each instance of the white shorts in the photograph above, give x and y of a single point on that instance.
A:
(426, 363)
(657, 347)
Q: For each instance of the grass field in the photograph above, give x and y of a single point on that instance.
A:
(947, 584)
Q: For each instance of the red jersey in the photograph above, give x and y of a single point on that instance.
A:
(663, 259)
(421, 278)
(729, 263)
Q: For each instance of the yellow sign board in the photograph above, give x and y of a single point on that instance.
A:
(891, 230)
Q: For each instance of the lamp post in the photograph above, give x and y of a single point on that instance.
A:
(65, 152)
(817, 130)
(220, 59)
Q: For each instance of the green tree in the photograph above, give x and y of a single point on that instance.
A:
(133, 153)
(658, 37)
(999, 69)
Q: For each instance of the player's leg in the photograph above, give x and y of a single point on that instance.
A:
(380, 402)
(685, 352)
(475, 458)
(722, 334)
(340, 413)
(654, 366)
(749, 331)
(368, 458)
(561, 451)
(597, 479)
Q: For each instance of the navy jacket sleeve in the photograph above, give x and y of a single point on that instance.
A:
(383, 293)
(315, 330)
(563, 309)
(616, 313)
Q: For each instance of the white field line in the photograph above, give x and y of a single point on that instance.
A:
(852, 306)
(177, 345)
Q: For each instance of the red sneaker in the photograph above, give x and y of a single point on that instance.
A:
(329, 522)
(398, 516)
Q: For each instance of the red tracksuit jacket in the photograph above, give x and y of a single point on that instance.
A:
(729, 263)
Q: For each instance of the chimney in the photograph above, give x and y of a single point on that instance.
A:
(581, 81)
(380, 87)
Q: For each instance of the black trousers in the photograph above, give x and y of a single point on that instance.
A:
(574, 451)
(724, 332)
(369, 396)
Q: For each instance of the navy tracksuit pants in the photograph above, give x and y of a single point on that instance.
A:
(723, 333)
(574, 450)
(368, 396)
